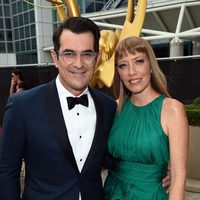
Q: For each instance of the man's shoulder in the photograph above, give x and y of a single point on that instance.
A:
(108, 102)
(102, 95)
(36, 91)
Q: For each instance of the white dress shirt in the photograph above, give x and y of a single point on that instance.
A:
(80, 123)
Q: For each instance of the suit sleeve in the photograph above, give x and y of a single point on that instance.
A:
(11, 151)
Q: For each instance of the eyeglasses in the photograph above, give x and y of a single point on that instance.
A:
(70, 57)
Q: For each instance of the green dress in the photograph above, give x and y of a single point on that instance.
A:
(141, 149)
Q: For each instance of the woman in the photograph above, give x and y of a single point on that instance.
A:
(150, 128)
(17, 82)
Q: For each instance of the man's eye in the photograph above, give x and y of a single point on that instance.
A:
(88, 54)
(68, 54)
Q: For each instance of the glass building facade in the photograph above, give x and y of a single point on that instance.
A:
(18, 31)
(19, 28)
(88, 6)
(24, 31)
(26, 26)
(6, 35)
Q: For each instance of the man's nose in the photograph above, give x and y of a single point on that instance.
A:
(78, 63)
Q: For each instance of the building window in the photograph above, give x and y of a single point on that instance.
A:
(2, 47)
(20, 19)
(1, 13)
(16, 31)
(6, 11)
(9, 35)
(14, 8)
(25, 6)
(26, 18)
(34, 46)
(17, 44)
(22, 43)
(21, 31)
(28, 44)
(32, 16)
(33, 33)
(15, 21)
(1, 23)
(2, 37)
(8, 23)
(6, 1)
(19, 7)
(27, 31)
(10, 47)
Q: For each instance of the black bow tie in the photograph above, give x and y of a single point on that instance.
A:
(72, 101)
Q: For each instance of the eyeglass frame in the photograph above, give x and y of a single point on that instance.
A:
(76, 53)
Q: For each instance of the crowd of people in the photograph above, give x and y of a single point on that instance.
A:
(66, 132)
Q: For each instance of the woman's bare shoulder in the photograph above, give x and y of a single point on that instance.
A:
(173, 106)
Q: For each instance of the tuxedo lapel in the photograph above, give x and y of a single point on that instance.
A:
(97, 135)
(57, 121)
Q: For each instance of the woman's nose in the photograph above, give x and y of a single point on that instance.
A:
(131, 69)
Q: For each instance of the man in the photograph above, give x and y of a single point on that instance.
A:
(63, 144)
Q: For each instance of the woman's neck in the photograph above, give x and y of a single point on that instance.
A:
(144, 98)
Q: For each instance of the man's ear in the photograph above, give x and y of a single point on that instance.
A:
(54, 57)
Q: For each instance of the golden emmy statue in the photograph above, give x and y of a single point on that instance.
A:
(104, 73)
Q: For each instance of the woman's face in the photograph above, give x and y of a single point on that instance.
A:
(135, 72)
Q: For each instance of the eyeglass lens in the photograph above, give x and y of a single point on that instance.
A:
(87, 57)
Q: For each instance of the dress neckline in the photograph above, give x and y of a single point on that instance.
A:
(148, 104)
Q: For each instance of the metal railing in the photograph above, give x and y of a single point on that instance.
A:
(111, 4)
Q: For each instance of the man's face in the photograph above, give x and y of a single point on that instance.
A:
(74, 72)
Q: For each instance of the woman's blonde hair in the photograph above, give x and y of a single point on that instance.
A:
(132, 45)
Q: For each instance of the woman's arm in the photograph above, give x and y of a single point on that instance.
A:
(177, 129)
(20, 89)
(12, 87)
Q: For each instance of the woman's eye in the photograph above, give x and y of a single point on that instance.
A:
(139, 61)
(122, 66)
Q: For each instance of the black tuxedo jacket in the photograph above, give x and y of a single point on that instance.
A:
(34, 130)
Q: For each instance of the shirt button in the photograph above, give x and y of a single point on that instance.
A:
(81, 159)
(78, 114)
(80, 137)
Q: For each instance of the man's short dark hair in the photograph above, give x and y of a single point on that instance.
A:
(77, 25)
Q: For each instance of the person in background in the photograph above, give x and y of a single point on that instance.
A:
(17, 82)
(149, 131)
